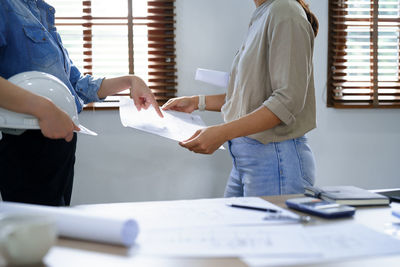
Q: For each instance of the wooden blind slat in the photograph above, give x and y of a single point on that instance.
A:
(160, 23)
(363, 54)
(162, 71)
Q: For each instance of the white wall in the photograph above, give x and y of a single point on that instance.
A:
(359, 147)
(351, 146)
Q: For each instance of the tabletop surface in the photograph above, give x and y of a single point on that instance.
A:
(80, 253)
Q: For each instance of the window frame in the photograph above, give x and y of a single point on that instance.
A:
(336, 85)
(160, 21)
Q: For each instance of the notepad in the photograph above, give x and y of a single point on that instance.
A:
(347, 195)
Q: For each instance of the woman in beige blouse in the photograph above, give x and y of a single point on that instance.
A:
(269, 105)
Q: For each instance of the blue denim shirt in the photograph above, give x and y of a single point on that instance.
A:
(30, 41)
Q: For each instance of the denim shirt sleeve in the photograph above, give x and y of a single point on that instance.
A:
(86, 86)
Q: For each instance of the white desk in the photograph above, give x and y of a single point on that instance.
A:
(77, 253)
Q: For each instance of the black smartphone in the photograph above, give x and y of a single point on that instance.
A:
(392, 194)
(321, 208)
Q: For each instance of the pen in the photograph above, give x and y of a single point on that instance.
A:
(253, 208)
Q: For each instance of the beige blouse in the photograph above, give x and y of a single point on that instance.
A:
(274, 68)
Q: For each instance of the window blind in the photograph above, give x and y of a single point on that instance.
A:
(363, 54)
(120, 37)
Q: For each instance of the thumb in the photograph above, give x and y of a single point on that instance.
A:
(169, 105)
(69, 137)
(76, 128)
(197, 133)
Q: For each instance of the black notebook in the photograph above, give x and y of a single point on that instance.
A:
(347, 195)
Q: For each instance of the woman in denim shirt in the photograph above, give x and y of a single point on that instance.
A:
(38, 166)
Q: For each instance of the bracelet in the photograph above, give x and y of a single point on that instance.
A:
(202, 103)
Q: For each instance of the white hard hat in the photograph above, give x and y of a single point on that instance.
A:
(45, 85)
(25, 238)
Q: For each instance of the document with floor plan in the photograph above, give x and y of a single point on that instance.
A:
(195, 213)
(337, 241)
(269, 245)
(175, 125)
(227, 241)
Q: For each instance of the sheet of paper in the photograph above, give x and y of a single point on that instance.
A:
(175, 125)
(86, 131)
(218, 78)
(226, 241)
(337, 242)
(191, 213)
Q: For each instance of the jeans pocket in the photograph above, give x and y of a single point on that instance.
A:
(250, 141)
(41, 50)
(307, 160)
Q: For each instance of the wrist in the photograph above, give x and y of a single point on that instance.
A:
(195, 100)
(201, 105)
(226, 131)
(137, 83)
(40, 107)
(132, 82)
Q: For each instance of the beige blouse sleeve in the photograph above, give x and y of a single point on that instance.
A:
(290, 66)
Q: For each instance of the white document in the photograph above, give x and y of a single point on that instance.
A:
(63, 256)
(86, 131)
(175, 125)
(218, 78)
(226, 241)
(193, 213)
(78, 224)
(178, 126)
(337, 242)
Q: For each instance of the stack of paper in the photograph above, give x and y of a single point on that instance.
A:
(211, 228)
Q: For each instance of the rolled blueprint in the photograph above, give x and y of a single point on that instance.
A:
(218, 78)
(80, 224)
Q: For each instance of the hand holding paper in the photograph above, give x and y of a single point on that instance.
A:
(185, 104)
(84, 130)
(143, 97)
(175, 125)
(205, 141)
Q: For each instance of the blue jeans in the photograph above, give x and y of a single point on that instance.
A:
(276, 168)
